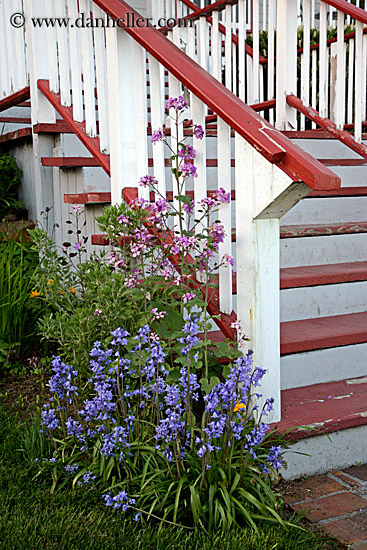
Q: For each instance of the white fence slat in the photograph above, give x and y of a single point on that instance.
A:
(323, 53)
(228, 47)
(141, 114)
(305, 74)
(340, 74)
(86, 41)
(364, 76)
(216, 38)
(350, 90)
(271, 56)
(157, 122)
(224, 180)
(76, 65)
(358, 82)
(314, 83)
(4, 55)
(53, 62)
(20, 50)
(241, 49)
(198, 111)
(203, 49)
(256, 51)
(63, 55)
(101, 80)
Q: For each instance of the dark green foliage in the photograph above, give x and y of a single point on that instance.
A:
(10, 176)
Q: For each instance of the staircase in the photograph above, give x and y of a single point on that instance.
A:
(298, 214)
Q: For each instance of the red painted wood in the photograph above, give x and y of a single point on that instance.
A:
(241, 118)
(11, 137)
(92, 144)
(60, 127)
(349, 9)
(315, 275)
(324, 332)
(364, 123)
(324, 407)
(14, 99)
(342, 192)
(15, 120)
(69, 162)
(343, 162)
(347, 37)
(327, 125)
(102, 240)
(87, 198)
(295, 231)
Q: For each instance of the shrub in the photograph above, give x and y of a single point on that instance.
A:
(10, 176)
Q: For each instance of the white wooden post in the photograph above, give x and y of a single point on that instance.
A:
(263, 194)
(121, 108)
(286, 63)
(41, 109)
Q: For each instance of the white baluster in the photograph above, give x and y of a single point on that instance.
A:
(314, 83)
(350, 81)
(141, 112)
(271, 56)
(358, 82)
(286, 68)
(101, 80)
(86, 40)
(216, 39)
(340, 74)
(157, 107)
(224, 180)
(364, 76)
(63, 53)
(76, 64)
(198, 111)
(20, 50)
(241, 48)
(228, 47)
(323, 57)
(256, 51)
(5, 57)
(305, 75)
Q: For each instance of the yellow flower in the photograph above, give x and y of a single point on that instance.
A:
(72, 290)
(35, 293)
(239, 406)
(50, 281)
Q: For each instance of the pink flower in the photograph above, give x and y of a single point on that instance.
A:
(158, 314)
(147, 181)
(222, 196)
(227, 260)
(123, 219)
(78, 246)
(76, 207)
(188, 297)
(189, 170)
(177, 103)
(97, 312)
(198, 131)
(217, 233)
(157, 135)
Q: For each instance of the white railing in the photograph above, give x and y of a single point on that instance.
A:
(13, 73)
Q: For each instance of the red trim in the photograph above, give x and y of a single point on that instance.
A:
(331, 41)
(349, 9)
(15, 136)
(60, 127)
(323, 332)
(321, 408)
(14, 120)
(343, 162)
(239, 116)
(342, 192)
(316, 275)
(69, 162)
(92, 144)
(102, 240)
(87, 198)
(14, 99)
(222, 320)
(327, 125)
(364, 123)
(296, 231)
(257, 107)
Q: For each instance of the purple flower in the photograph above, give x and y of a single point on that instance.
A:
(78, 246)
(274, 457)
(146, 181)
(188, 297)
(157, 135)
(48, 418)
(189, 170)
(227, 260)
(123, 219)
(120, 501)
(76, 207)
(187, 152)
(198, 131)
(177, 103)
(222, 196)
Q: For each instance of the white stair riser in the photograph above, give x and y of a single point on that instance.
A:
(322, 301)
(322, 366)
(351, 176)
(323, 453)
(327, 210)
(73, 147)
(326, 148)
(328, 249)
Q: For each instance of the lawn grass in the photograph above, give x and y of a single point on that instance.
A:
(32, 518)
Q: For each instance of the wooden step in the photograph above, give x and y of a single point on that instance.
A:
(316, 275)
(11, 138)
(87, 198)
(317, 230)
(323, 408)
(323, 332)
(69, 162)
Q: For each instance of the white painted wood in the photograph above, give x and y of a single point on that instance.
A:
(317, 367)
(58, 197)
(203, 48)
(224, 181)
(157, 122)
(86, 46)
(358, 82)
(120, 74)
(306, 57)
(340, 74)
(286, 63)
(216, 47)
(258, 268)
(198, 111)
(75, 65)
(53, 62)
(323, 301)
(63, 55)
(334, 451)
(101, 81)
(271, 56)
(314, 83)
(241, 49)
(256, 51)
(327, 210)
(329, 249)
(4, 73)
(249, 80)
(364, 78)
(323, 53)
(235, 70)
(18, 53)
(141, 112)
(350, 81)
(228, 47)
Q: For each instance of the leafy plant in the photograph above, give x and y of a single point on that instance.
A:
(10, 177)
(18, 264)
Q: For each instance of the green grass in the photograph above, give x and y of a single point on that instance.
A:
(32, 518)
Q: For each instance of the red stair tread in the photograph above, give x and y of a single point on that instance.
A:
(314, 275)
(69, 162)
(87, 198)
(292, 231)
(323, 332)
(324, 407)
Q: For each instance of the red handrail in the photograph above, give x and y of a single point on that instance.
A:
(274, 146)
(327, 125)
(349, 9)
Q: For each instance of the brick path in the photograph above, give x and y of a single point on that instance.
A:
(337, 501)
